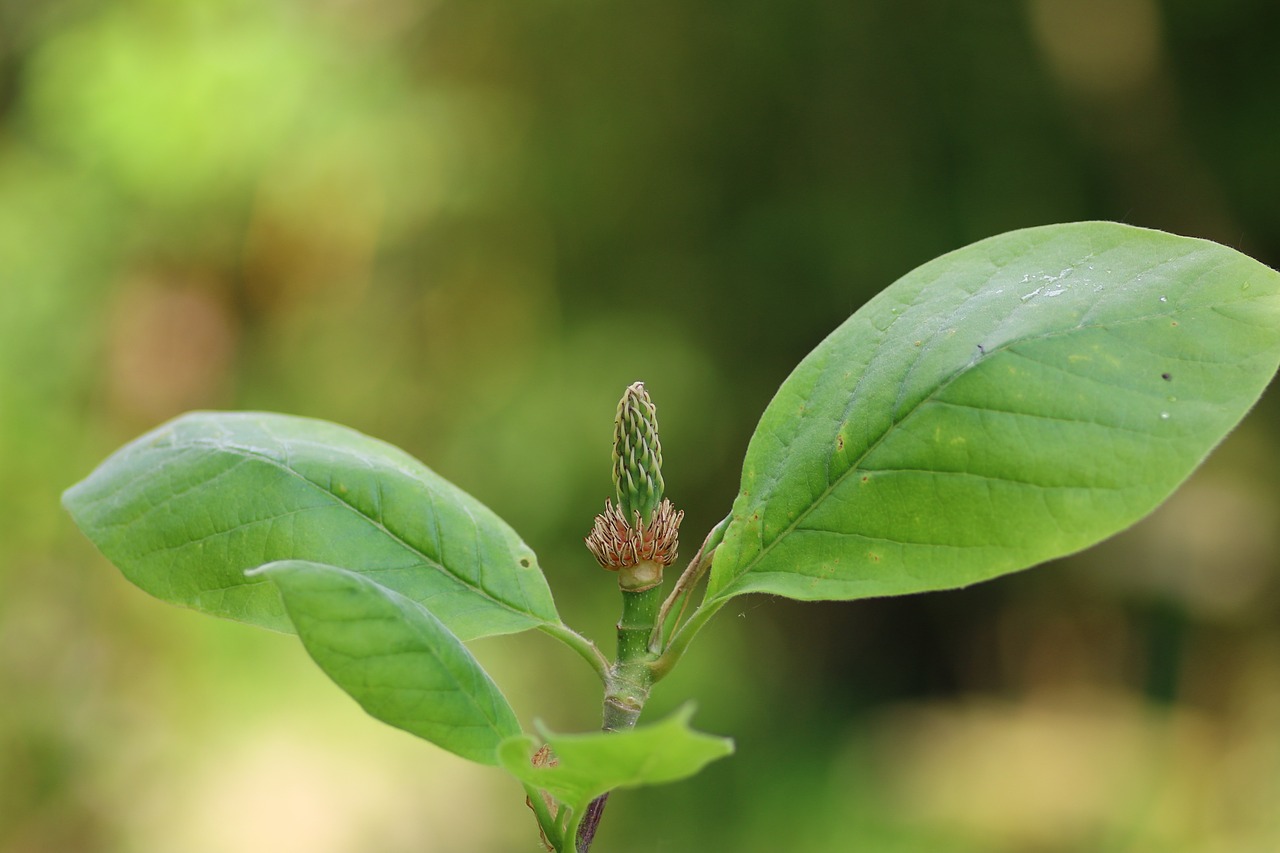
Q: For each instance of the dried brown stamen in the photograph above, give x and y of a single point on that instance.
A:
(619, 543)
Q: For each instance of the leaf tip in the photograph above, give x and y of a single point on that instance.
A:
(684, 714)
(71, 495)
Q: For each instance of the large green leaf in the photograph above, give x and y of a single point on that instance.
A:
(1007, 403)
(186, 508)
(394, 658)
(590, 764)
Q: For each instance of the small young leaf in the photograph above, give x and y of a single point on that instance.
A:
(590, 764)
(397, 660)
(1011, 402)
(186, 508)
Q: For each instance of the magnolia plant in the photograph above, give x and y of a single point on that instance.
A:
(1008, 403)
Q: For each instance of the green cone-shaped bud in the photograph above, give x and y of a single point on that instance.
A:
(637, 455)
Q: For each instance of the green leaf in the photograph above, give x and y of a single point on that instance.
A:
(186, 508)
(590, 764)
(397, 660)
(1011, 402)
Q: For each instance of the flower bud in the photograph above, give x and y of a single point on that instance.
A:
(639, 536)
(637, 455)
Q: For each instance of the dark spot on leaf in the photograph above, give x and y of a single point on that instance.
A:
(982, 349)
(524, 561)
(839, 442)
(1166, 377)
(875, 558)
(865, 478)
(1174, 323)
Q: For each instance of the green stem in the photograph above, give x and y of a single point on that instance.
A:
(683, 590)
(586, 649)
(639, 613)
(567, 826)
(630, 679)
(683, 637)
(627, 687)
(550, 826)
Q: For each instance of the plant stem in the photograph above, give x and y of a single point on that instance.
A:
(551, 828)
(590, 823)
(682, 590)
(684, 585)
(639, 612)
(683, 637)
(627, 686)
(586, 649)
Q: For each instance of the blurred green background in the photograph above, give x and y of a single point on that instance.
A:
(464, 226)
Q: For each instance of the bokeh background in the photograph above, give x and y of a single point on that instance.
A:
(464, 226)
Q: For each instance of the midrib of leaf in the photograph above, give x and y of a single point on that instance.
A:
(465, 690)
(383, 648)
(939, 276)
(727, 590)
(249, 453)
